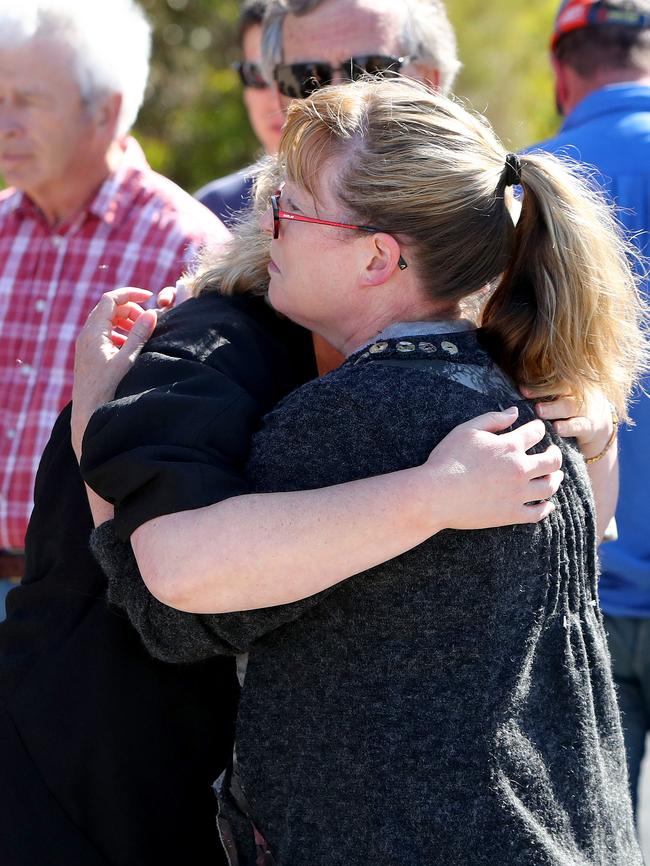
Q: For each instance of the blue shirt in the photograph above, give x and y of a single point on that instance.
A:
(610, 129)
(228, 196)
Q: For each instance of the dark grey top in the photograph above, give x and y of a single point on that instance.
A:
(452, 706)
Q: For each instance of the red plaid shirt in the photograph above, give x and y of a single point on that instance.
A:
(139, 230)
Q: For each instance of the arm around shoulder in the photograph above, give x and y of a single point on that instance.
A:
(271, 549)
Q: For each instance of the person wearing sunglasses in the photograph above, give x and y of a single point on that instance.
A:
(259, 98)
(308, 44)
(227, 196)
(454, 704)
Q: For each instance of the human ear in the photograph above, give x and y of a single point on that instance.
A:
(383, 259)
(561, 85)
(425, 73)
(107, 112)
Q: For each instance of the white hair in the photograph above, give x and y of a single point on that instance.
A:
(427, 34)
(110, 41)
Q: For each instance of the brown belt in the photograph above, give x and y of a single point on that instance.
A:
(11, 564)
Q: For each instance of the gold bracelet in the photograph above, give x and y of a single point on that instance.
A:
(609, 444)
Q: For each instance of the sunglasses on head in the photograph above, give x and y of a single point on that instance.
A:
(251, 75)
(300, 80)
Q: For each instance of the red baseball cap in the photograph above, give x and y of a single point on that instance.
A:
(576, 14)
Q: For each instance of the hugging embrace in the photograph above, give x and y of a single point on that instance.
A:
(425, 677)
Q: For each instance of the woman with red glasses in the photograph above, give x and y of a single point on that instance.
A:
(455, 703)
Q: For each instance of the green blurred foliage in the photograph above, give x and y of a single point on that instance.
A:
(504, 47)
(193, 125)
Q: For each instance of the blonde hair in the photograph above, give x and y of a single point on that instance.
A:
(240, 266)
(419, 166)
(564, 313)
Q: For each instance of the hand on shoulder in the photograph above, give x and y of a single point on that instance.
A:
(485, 476)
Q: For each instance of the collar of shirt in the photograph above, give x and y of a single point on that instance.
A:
(112, 200)
(420, 329)
(626, 98)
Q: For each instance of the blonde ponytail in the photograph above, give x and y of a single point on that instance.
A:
(566, 314)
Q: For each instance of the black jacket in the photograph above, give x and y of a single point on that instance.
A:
(108, 755)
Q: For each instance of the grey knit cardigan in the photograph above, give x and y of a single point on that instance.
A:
(452, 706)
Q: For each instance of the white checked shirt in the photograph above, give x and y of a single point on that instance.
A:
(140, 229)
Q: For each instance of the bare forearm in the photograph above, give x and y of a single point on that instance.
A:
(604, 482)
(601, 455)
(269, 549)
(592, 423)
(100, 509)
(263, 550)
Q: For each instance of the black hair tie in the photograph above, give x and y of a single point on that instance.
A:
(512, 170)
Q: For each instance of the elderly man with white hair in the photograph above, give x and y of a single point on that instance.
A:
(103, 749)
(84, 213)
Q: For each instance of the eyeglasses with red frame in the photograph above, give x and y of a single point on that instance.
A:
(279, 214)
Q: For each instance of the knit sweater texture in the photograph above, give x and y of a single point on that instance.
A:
(453, 705)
